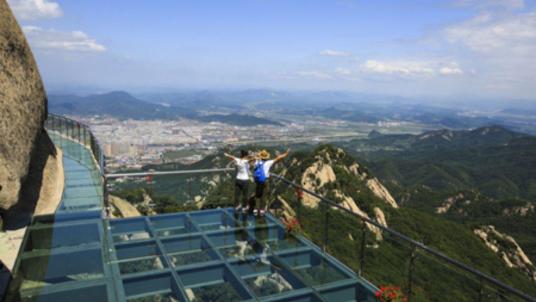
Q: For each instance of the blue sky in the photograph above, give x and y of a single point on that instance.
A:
(452, 49)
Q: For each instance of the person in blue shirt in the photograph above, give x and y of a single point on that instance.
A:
(261, 175)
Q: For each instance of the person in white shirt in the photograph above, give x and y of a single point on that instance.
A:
(261, 174)
(242, 178)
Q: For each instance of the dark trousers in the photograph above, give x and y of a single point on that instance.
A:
(241, 192)
(260, 195)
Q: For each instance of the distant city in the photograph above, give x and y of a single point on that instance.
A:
(134, 143)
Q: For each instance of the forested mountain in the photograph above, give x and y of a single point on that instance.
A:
(121, 105)
(115, 104)
(493, 160)
(333, 173)
(485, 176)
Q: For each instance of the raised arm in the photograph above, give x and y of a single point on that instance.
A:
(229, 156)
(281, 156)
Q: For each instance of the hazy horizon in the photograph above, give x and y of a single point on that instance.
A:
(447, 50)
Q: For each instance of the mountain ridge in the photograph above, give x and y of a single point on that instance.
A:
(122, 105)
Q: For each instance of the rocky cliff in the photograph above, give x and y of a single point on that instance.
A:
(23, 110)
(507, 249)
(332, 173)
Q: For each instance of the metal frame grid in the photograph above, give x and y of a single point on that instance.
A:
(61, 258)
(203, 249)
(175, 256)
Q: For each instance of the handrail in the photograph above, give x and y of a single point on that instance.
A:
(413, 242)
(55, 121)
(94, 144)
(174, 172)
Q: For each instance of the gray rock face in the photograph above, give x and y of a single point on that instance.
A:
(23, 108)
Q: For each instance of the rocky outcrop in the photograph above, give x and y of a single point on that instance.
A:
(332, 172)
(314, 178)
(41, 190)
(522, 211)
(380, 216)
(354, 168)
(350, 204)
(40, 194)
(287, 212)
(123, 208)
(52, 184)
(22, 108)
(507, 248)
(381, 192)
(448, 203)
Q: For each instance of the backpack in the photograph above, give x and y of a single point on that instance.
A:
(258, 172)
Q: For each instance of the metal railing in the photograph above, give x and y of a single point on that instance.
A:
(173, 190)
(66, 130)
(504, 292)
(78, 132)
(174, 172)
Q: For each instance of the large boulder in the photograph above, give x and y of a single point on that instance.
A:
(23, 108)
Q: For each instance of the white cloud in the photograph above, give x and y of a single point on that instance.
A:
(51, 39)
(334, 53)
(411, 68)
(343, 71)
(315, 74)
(501, 47)
(397, 67)
(35, 9)
(450, 70)
(485, 33)
(510, 4)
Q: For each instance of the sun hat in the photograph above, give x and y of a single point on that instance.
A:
(264, 154)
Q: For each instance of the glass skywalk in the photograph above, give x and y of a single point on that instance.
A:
(83, 184)
(211, 255)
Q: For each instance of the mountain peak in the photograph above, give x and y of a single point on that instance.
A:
(374, 133)
(117, 93)
(492, 129)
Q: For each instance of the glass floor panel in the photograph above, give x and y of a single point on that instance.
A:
(314, 268)
(62, 236)
(212, 283)
(211, 220)
(189, 250)
(266, 278)
(251, 221)
(276, 239)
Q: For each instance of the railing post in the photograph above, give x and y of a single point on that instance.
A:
(362, 248)
(299, 194)
(190, 190)
(480, 290)
(326, 228)
(413, 255)
(84, 136)
(105, 195)
(61, 132)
